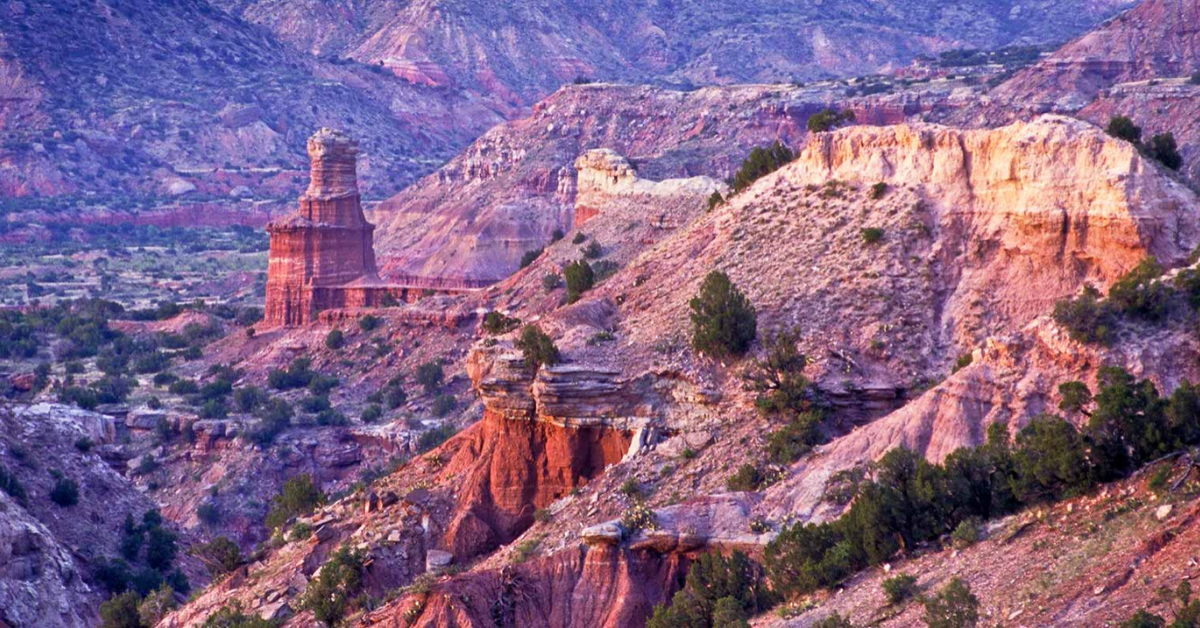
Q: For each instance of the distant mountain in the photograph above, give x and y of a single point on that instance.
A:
(136, 98)
(524, 50)
(133, 103)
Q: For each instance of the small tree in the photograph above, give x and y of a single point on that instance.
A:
(121, 611)
(496, 323)
(330, 595)
(829, 119)
(724, 322)
(1123, 128)
(1162, 148)
(714, 200)
(220, 555)
(537, 347)
(65, 492)
(335, 340)
(430, 375)
(530, 257)
(579, 278)
(299, 496)
(954, 606)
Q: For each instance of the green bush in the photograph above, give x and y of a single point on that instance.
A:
(954, 606)
(579, 279)
(220, 556)
(121, 611)
(829, 119)
(871, 235)
(1122, 127)
(537, 347)
(878, 190)
(796, 439)
(593, 250)
(966, 533)
(779, 380)
(1162, 147)
(900, 588)
(394, 396)
(430, 375)
(297, 375)
(724, 322)
(1085, 318)
(746, 478)
(1049, 460)
(300, 496)
(714, 200)
(11, 485)
(551, 281)
(65, 492)
(233, 617)
(369, 323)
(718, 591)
(372, 413)
(579, 238)
(496, 323)
(335, 340)
(759, 163)
(530, 257)
(333, 592)
(1138, 293)
(249, 398)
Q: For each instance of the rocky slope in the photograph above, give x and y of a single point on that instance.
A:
(982, 230)
(48, 552)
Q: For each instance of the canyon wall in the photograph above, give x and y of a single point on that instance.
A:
(603, 175)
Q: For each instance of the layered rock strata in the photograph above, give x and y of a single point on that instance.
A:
(602, 174)
(322, 256)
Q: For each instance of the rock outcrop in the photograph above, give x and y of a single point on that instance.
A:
(326, 243)
(602, 174)
(323, 256)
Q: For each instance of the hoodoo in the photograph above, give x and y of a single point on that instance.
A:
(327, 243)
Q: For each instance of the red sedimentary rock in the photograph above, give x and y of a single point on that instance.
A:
(326, 243)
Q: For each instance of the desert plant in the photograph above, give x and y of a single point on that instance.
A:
(715, 199)
(871, 235)
(331, 594)
(496, 323)
(430, 375)
(724, 322)
(530, 257)
(878, 190)
(65, 492)
(954, 606)
(579, 278)
(335, 340)
(829, 119)
(1162, 148)
(537, 347)
(900, 588)
(1122, 127)
(299, 496)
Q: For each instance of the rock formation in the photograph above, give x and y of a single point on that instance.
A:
(602, 174)
(326, 243)
(323, 256)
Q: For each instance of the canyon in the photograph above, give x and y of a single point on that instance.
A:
(916, 256)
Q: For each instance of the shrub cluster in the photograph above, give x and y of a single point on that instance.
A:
(1161, 147)
(758, 164)
(718, 591)
(908, 501)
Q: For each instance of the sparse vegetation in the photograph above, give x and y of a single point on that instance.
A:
(871, 235)
(300, 496)
(900, 588)
(334, 590)
(954, 606)
(530, 257)
(430, 376)
(335, 340)
(496, 323)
